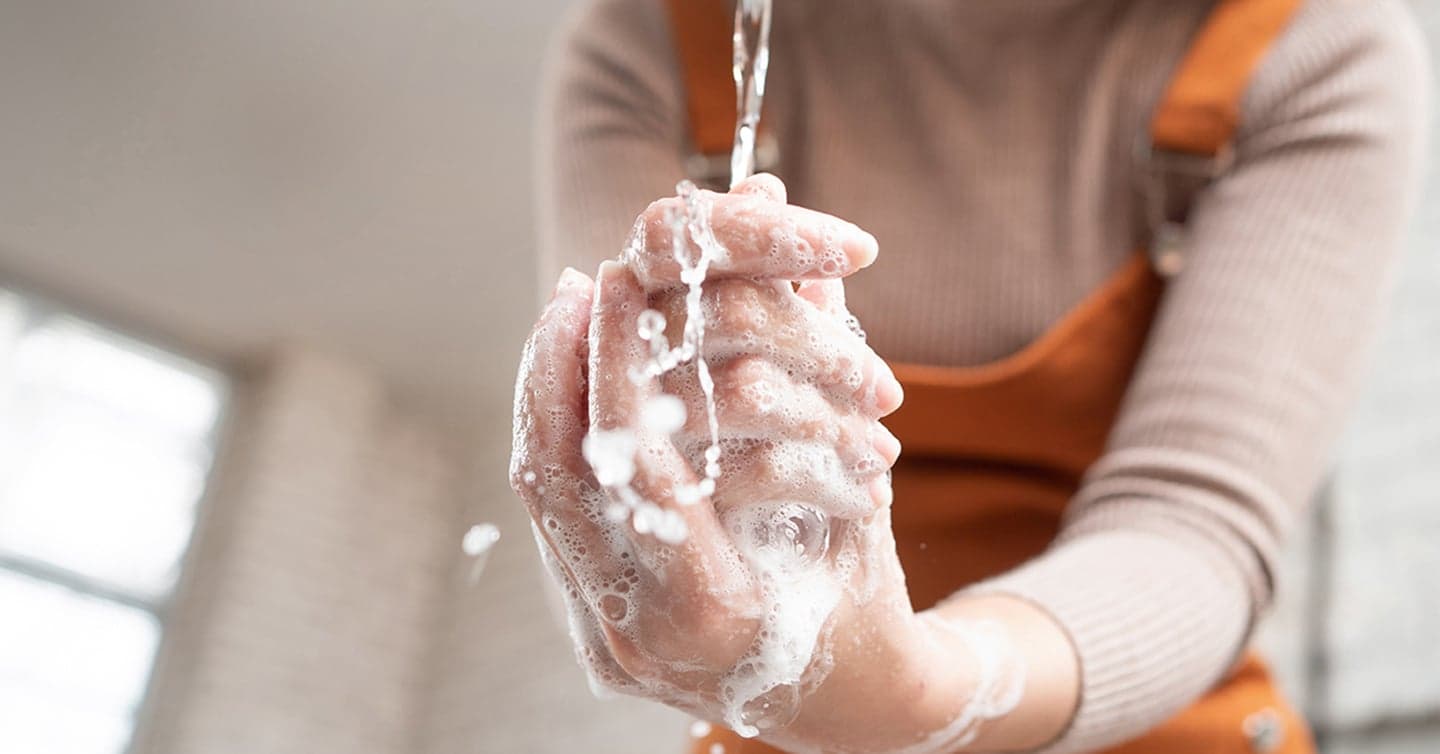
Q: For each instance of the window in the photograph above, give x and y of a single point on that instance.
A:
(105, 446)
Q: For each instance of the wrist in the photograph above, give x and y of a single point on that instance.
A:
(1048, 664)
(894, 682)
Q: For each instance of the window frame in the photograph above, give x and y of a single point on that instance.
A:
(38, 306)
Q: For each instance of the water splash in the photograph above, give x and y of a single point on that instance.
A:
(611, 454)
(477, 544)
(750, 64)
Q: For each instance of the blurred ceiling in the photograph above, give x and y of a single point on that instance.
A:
(226, 175)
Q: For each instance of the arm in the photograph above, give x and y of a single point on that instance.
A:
(1168, 555)
(612, 129)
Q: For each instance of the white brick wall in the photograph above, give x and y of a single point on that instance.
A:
(304, 622)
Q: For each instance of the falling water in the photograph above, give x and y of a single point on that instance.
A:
(612, 452)
(751, 61)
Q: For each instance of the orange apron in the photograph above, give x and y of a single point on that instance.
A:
(993, 453)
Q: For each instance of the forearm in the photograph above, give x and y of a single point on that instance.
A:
(611, 126)
(1151, 621)
(907, 683)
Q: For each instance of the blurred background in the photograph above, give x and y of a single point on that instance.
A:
(265, 269)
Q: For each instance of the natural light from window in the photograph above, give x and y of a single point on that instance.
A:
(105, 446)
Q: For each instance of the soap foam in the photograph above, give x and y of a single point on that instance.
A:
(822, 538)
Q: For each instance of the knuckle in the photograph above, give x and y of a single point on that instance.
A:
(735, 373)
(736, 308)
(627, 656)
(657, 214)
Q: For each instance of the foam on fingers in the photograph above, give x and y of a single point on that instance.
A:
(761, 238)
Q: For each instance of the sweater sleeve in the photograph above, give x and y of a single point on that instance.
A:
(612, 129)
(1168, 551)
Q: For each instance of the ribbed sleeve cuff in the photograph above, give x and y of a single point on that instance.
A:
(1155, 623)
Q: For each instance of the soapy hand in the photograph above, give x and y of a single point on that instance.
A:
(783, 606)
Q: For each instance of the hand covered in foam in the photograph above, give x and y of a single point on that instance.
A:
(768, 595)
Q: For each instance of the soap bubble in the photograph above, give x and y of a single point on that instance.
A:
(775, 708)
(614, 607)
(790, 535)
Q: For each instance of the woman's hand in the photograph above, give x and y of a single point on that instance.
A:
(784, 608)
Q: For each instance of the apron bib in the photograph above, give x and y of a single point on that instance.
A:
(994, 453)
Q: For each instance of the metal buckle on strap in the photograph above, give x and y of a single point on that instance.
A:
(712, 171)
(1162, 171)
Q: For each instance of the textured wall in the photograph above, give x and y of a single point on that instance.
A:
(305, 620)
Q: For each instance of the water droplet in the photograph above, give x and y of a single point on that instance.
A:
(477, 544)
(479, 539)
(663, 414)
(611, 454)
(614, 607)
(772, 709)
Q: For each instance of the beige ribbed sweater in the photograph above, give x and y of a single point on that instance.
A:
(989, 146)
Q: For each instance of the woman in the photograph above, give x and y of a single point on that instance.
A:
(1104, 449)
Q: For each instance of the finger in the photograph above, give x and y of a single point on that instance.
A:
(766, 185)
(549, 394)
(827, 295)
(761, 470)
(768, 319)
(546, 467)
(761, 238)
(659, 471)
(756, 400)
(586, 632)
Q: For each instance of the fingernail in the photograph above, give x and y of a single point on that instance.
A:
(607, 273)
(889, 394)
(571, 278)
(861, 249)
(887, 444)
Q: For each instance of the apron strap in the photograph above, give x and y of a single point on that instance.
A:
(705, 51)
(1200, 110)
(1187, 146)
(1193, 127)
